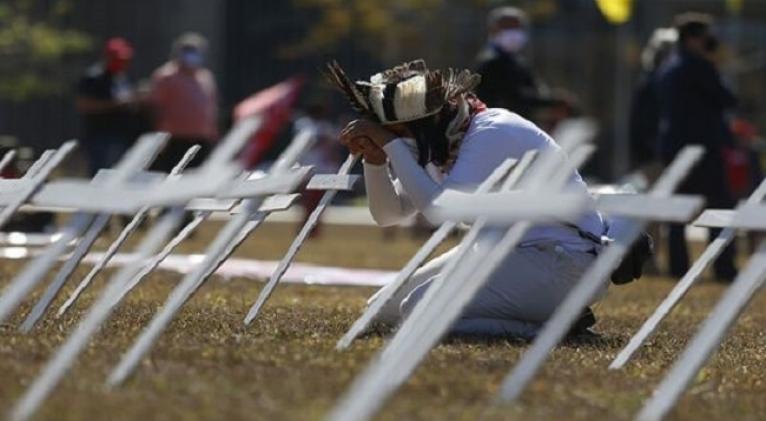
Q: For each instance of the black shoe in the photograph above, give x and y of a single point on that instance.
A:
(584, 323)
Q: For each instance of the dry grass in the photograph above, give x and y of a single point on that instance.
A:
(207, 366)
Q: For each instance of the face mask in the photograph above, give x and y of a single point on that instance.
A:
(191, 58)
(116, 65)
(511, 40)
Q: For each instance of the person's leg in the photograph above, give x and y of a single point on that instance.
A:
(95, 154)
(169, 156)
(114, 149)
(678, 256)
(474, 326)
(719, 196)
(724, 267)
(530, 283)
(390, 313)
(498, 328)
(520, 296)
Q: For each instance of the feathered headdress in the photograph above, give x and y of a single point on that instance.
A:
(405, 93)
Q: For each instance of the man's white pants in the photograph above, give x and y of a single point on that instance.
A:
(519, 297)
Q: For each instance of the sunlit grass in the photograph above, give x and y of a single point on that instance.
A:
(207, 366)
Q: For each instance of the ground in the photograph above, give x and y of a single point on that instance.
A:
(207, 366)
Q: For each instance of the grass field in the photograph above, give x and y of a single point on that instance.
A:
(207, 366)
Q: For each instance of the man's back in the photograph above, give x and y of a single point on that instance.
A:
(693, 101)
(506, 82)
(186, 103)
(98, 84)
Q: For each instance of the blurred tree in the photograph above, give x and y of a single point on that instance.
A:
(33, 46)
(394, 30)
(379, 26)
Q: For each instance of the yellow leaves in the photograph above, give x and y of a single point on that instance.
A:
(371, 17)
(735, 6)
(371, 23)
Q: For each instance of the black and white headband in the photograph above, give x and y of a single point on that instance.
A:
(405, 93)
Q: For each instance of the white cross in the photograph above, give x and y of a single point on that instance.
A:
(17, 192)
(84, 245)
(582, 129)
(389, 291)
(218, 162)
(137, 157)
(297, 243)
(444, 300)
(134, 223)
(710, 218)
(594, 278)
(235, 231)
(748, 282)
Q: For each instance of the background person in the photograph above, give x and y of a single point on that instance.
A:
(644, 118)
(645, 104)
(184, 97)
(507, 81)
(693, 105)
(105, 101)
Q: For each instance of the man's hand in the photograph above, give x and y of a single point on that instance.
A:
(367, 138)
(378, 134)
(372, 153)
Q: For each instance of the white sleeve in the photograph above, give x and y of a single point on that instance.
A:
(479, 155)
(481, 152)
(420, 187)
(388, 203)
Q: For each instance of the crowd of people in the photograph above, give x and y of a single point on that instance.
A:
(424, 133)
(181, 100)
(680, 99)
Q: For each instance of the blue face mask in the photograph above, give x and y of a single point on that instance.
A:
(191, 58)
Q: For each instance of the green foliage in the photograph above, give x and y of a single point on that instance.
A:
(374, 24)
(34, 46)
(395, 30)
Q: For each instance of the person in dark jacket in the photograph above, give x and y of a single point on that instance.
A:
(645, 104)
(693, 103)
(106, 102)
(506, 79)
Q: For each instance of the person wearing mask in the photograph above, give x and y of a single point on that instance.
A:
(693, 104)
(184, 97)
(506, 79)
(105, 101)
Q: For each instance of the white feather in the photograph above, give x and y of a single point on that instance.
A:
(410, 99)
(376, 100)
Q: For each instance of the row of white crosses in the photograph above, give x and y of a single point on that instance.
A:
(214, 187)
(466, 272)
(749, 216)
(442, 304)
